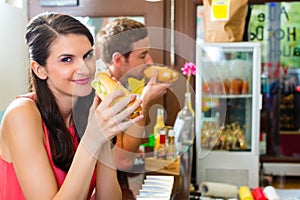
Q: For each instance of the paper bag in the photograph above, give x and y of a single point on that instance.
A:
(224, 20)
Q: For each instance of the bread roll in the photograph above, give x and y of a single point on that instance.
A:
(164, 75)
(104, 85)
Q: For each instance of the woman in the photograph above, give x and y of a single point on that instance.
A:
(40, 157)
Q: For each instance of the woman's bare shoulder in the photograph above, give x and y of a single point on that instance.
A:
(21, 114)
(21, 124)
(21, 108)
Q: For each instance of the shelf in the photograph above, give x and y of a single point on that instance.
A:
(229, 96)
(279, 159)
(289, 132)
(224, 152)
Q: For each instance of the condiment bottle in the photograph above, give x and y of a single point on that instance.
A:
(171, 148)
(161, 150)
(160, 124)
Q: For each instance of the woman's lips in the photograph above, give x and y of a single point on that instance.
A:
(82, 81)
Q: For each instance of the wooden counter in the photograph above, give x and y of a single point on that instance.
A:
(181, 187)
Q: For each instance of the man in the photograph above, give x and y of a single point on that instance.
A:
(125, 50)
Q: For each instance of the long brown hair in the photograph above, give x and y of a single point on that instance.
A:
(40, 34)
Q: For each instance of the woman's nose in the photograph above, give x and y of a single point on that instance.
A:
(84, 68)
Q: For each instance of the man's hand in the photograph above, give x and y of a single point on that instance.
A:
(153, 90)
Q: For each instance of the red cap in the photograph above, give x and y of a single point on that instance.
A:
(258, 194)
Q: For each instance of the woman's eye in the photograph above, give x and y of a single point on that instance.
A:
(66, 59)
(89, 55)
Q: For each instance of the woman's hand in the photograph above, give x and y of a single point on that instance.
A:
(106, 119)
(115, 119)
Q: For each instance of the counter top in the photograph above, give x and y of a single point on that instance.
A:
(181, 187)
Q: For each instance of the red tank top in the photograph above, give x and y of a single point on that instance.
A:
(9, 185)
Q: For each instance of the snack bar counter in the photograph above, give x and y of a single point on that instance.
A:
(178, 173)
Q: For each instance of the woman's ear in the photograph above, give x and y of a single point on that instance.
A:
(39, 70)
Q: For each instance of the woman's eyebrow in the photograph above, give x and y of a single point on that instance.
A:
(91, 50)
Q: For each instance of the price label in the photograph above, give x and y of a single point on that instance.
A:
(220, 10)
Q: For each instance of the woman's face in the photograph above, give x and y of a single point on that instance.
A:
(70, 66)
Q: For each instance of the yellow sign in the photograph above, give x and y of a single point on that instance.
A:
(220, 10)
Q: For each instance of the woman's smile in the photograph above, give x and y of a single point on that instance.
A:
(82, 81)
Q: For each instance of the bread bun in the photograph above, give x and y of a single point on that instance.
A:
(104, 84)
(165, 74)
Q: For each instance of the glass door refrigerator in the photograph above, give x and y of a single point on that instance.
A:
(228, 103)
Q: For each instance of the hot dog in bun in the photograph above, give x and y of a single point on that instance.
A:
(104, 84)
(164, 74)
